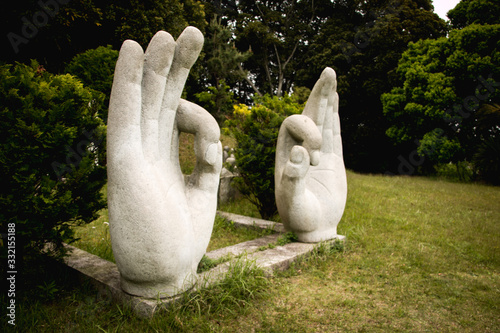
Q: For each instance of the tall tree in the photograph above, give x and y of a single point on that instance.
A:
(363, 42)
(54, 31)
(50, 31)
(140, 20)
(468, 12)
(449, 97)
(221, 71)
(277, 33)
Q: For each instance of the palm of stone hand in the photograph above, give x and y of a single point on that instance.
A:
(310, 179)
(160, 226)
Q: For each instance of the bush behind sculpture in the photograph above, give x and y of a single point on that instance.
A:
(51, 141)
(95, 68)
(256, 132)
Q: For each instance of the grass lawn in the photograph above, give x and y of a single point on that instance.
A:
(94, 237)
(421, 255)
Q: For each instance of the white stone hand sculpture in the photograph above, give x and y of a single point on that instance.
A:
(160, 226)
(310, 178)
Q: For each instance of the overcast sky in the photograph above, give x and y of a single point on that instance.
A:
(441, 7)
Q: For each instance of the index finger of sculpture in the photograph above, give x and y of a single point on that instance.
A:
(189, 45)
(125, 101)
(158, 58)
(192, 118)
(203, 183)
(316, 105)
(296, 130)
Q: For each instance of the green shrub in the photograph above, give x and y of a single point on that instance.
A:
(95, 68)
(256, 132)
(51, 146)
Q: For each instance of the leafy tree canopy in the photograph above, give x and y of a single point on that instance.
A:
(363, 42)
(277, 34)
(448, 84)
(54, 31)
(469, 12)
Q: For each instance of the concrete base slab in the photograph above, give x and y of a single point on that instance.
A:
(252, 222)
(105, 276)
(242, 248)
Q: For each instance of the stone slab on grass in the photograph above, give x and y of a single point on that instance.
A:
(280, 257)
(242, 248)
(105, 276)
(251, 222)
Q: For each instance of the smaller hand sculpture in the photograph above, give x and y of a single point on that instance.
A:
(310, 178)
(160, 226)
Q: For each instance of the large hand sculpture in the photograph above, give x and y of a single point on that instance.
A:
(160, 226)
(310, 178)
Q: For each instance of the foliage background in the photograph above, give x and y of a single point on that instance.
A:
(51, 157)
(400, 69)
(256, 132)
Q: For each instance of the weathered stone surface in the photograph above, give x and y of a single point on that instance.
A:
(160, 225)
(251, 222)
(310, 178)
(242, 248)
(280, 257)
(105, 276)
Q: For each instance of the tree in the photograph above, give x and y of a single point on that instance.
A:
(447, 86)
(468, 12)
(222, 70)
(140, 20)
(54, 31)
(486, 159)
(276, 33)
(51, 143)
(363, 42)
(51, 31)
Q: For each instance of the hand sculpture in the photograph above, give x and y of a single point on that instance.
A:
(160, 226)
(310, 178)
